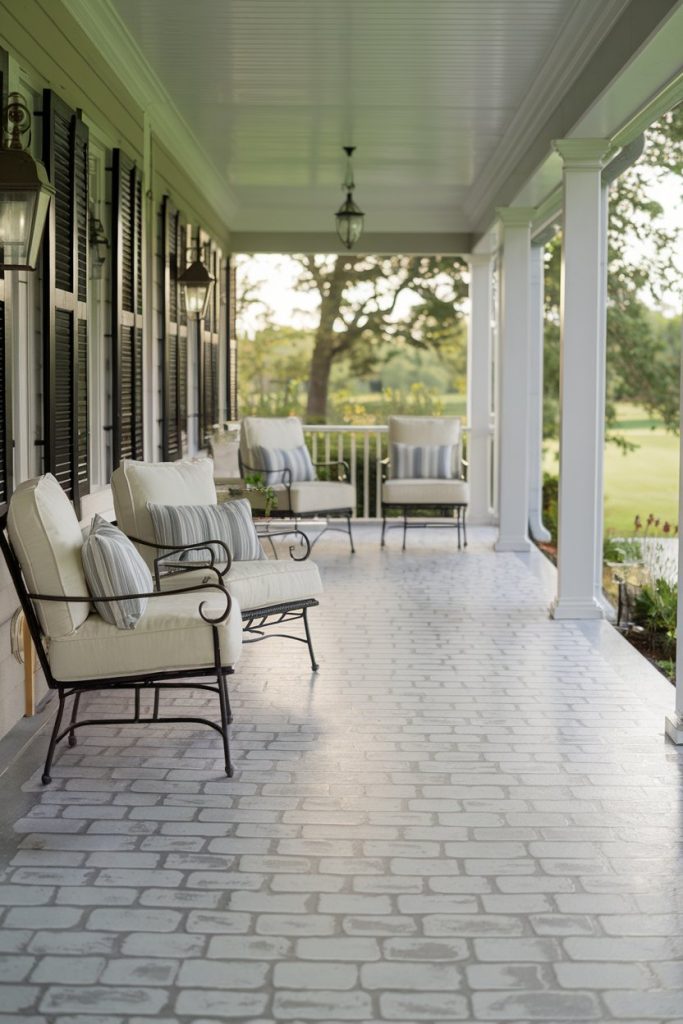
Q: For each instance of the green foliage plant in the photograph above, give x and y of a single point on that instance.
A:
(655, 609)
(257, 483)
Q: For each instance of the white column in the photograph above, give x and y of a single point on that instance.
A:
(536, 301)
(581, 379)
(607, 608)
(674, 722)
(513, 426)
(479, 388)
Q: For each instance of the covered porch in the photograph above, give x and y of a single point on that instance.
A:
(468, 814)
(472, 811)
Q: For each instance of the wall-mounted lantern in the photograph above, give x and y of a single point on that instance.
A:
(25, 191)
(197, 284)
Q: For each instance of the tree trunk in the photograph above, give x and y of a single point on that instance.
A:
(326, 344)
(319, 380)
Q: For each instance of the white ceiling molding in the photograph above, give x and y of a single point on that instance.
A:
(554, 78)
(389, 243)
(101, 22)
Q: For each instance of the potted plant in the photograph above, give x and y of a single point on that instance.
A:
(255, 482)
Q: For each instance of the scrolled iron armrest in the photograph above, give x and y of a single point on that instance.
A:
(385, 464)
(292, 547)
(336, 462)
(94, 598)
(209, 563)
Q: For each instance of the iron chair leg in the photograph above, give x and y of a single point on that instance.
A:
(314, 663)
(348, 526)
(47, 778)
(464, 525)
(405, 526)
(384, 526)
(227, 697)
(223, 700)
(74, 716)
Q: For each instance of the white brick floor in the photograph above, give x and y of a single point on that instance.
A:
(469, 814)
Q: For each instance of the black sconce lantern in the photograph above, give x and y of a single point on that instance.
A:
(25, 191)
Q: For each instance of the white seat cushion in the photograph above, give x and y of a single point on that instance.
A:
(310, 496)
(428, 492)
(261, 584)
(170, 636)
(133, 484)
(44, 532)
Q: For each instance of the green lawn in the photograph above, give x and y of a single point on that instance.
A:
(639, 482)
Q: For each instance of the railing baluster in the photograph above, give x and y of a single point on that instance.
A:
(327, 447)
(366, 476)
(378, 475)
(353, 470)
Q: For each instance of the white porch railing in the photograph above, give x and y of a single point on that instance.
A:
(368, 443)
(328, 442)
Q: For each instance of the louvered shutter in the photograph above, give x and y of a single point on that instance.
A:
(5, 394)
(126, 309)
(65, 299)
(5, 404)
(174, 334)
(231, 362)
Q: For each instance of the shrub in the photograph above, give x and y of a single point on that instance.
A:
(550, 493)
(655, 610)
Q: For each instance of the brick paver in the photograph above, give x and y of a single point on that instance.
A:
(469, 814)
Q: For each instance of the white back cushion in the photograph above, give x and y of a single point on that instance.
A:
(424, 429)
(133, 484)
(44, 532)
(283, 432)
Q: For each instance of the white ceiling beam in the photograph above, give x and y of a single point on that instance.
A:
(389, 243)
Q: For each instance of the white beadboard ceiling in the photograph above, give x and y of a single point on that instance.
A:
(441, 97)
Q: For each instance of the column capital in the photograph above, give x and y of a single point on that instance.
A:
(585, 154)
(515, 216)
(480, 259)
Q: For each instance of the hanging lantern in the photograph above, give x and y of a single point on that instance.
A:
(349, 216)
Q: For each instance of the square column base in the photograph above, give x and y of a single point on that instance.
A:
(576, 608)
(512, 544)
(673, 726)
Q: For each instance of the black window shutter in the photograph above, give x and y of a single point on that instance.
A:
(126, 309)
(231, 361)
(5, 390)
(6, 459)
(174, 333)
(65, 298)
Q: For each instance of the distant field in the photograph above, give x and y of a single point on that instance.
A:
(639, 482)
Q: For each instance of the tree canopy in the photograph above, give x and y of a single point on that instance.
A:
(370, 302)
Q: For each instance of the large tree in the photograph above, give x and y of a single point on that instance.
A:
(369, 302)
(643, 356)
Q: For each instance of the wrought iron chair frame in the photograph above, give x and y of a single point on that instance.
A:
(458, 510)
(286, 473)
(282, 612)
(154, 681)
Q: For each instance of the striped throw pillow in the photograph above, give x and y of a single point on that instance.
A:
(296, 460)
(177, 525)
(113, 565)
(422, 462)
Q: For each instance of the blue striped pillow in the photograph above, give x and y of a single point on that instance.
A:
(422, 462)
(113, 565)
(178, 525)
(296, 460)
